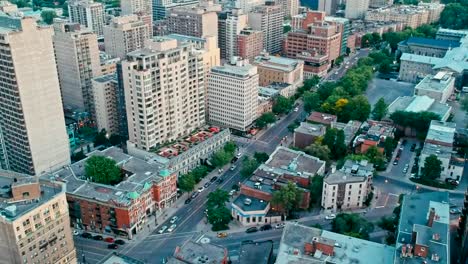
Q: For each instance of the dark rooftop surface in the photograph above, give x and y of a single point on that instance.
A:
(440, 43)
(255, 204)
(256, 252)
(196, 253)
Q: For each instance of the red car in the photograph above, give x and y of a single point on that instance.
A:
(109, 240)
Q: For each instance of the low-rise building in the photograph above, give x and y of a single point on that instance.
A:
(123, 208)
(350, 129)
(439, 86)
(307, 133)
(196, 253)
(117, 258)
(420, 104)
(424, 229)
(259, 252)
(301, 244)
(34, 223)
(322, 118)
(348, 187)
(373, 134)
(188, 152)
(283, 89)
(427, 47)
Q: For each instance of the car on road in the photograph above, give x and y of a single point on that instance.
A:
(222, 235)
(220, 180)
(213, 179)
(201, 189)
(207, 184)
(234, 159)
(119, 242)
(239, 155)
(174, 219)
(455, 211)
(231, 193)
(86, 235)
(194, 194)
(112, 246)
(330, 216)
(395, 162)
(76, 232)
(172, 228)
(233, 167)
(188, 201)
(109, 240)
(251, 229)
(296, 109)
(265, 227)
(98, 237)
(279, 226)
(162, 229)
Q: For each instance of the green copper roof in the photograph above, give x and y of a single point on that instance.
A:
(164, 173)
(146, 186)
(133, 195)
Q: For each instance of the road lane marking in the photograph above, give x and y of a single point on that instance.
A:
(201, 237)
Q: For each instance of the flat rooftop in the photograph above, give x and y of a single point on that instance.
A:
(294, 162)
(322, 118)
(346, 250)
(256, 252)
(438, 82)
(419, 104)
(241, 71)
(117, 258)
(438, 150)
(276, 63)
(247, 203)
(193, 252)
(339, 177)
(441, 131)
(311, 129)
(428, 42)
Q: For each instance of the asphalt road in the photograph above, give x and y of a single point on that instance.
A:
(349, 62)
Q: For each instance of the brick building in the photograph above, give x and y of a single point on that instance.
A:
(249, 43)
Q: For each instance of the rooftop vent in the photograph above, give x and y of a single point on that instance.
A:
(435, 257)
(10, 211)
(436, 237)
(203, 259)
(247, 201)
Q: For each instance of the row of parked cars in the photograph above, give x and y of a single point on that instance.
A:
(113, 243)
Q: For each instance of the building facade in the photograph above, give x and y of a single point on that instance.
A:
(249, 44)
(32, 120)
(235, 22)
(439, 86)
(88, 14)
(105, 103)
(197, 21)
(356, 9)
(142, 8)
(268, 18)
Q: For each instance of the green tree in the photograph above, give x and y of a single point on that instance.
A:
(78, 156)
(352, 225)
(288, 197)
(389, 146)
(419, 121)
(339, 150)
(186, 183)
(265, 119)
(387, 223)
(103, 170)
(432, 168)
(454, 16)
(101, 139)
(199, 173)
(286, 29)
(20, 3)
(358, 108)
(311, 101)
(249, 165)
(380, 109)
(230, 147)
(375, 157)
(220, 158)
(320, 151)
(217, 198)
(282, 105)
(48, 16)
(218, 215)
(261, 157)
(316, 188)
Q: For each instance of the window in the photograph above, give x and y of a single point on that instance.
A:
(25, 194)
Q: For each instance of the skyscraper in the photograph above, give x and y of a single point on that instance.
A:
(125, 34)
(164, 91)
(31, 114)
(197, 21)
(356, 9)
(249, 44)
(142, 8)
(77, 56)
(88, 14)
(248, 5)
(235, 22)
(268, 18)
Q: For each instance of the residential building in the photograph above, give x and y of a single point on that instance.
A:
(77, 57)
(273, 69)
(199, 21)
(105, 103)
(439, 86)
(234, 23)
(350, 129)
(420, 104)
(414, 68)
(451, 34)
(277, 88)
(380, 3)
(289, 8)
(439, 142)
(187, 152)
(194, 253)
(259, 252)
(161, 7)
(122, 208)
(121, 104)
(306, 134)
(303, 244)
(268, 18)
(88, 14)
(328, 6)
(315, 63)
(125, 34)
(423, 233)
(176, 101)
(232, 95)
(374, 134)
(322, 118)
(247, 5)
(356, 9)
(108, 63)
(349, 187)
(142, 8)
(249, 44)
(427, 47)
(35, 224)
(265, 105)
(344, 27)
(32, 120)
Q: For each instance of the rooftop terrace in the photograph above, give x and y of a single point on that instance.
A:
(288, 161)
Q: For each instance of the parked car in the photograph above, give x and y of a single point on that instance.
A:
(232, 192)
(413, 147)
(109, 240)
(172, 228)
(86, 235)
(188, 201)
(251, 229)
(233, 167)
(112, 246)
(279, 226)
(213, 179)
(220, 180)
(174, 219)
(201, 189)
(119, 242)
(207, 184)
(194, 194)
(162, 229)
(222, 235)
(76, 232)
(98, 237)
(455, 211)
(265, 227)
(395, 162)
(330, 216)
(239, 155)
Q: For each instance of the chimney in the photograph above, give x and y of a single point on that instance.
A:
(436, 237)
(430, 219)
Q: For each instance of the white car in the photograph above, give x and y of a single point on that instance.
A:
(162, 229)
(330, 216)
(296, 109)
(172, 228)
(174, 219)
(76, 232)
(279, 226)
(233, 167)
(201, 189)
(231, 193)
(239, 155)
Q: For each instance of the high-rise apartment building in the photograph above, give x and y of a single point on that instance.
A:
(235, 22)
(125, 34)
(142, 8)
(290, 8)
(344, 27)
(247, 5)
(164, 92)
(327, 6)
(34, 226)
(233, 95)
(380, 3)
(356, 9)
(199, 21)
(105, 103)
(31, 114)
(88, 14)
(249, 43)
(161, 7)
(268, 19)
(77, 57)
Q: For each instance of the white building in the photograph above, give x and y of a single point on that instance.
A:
(439, 86)
(105, 103)
(233, 95)
(31, 120)
(356, 9)
(235, 23)
(88, 14)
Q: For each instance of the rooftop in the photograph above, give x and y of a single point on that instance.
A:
(439, 43)
(297, 239)
(419, 104)
(350, 129)
(267, 91)
(442, 152)
(276, 63)
(256, 252)
(438, 82)
(237, 71)
(414, 218)
(196, 253)
(117, 258)
(322, 118)
(311, 129)
(293, 162)
(247, 203)
(106, 78)
(420, 58)
(339, 176)
(441, 132)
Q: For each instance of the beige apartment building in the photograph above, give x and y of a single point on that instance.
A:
(164, 92)
(34, 225)
(247, 5)
(105, 103)
(142, 8)
(290, 8)
(77, 57)
(199, 21)
(356, 9)
(268, 18)
(88, 14)
(32, 120)
(233, 95)
(125, 34)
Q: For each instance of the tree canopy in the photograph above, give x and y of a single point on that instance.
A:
(249, 165)
(48, 16)
(315, 188)
(352, 225)
(432, 168)
(288, 197)
(320, 151)
(261, 157)
(220, 158)
(311, 101)
(186, 183)
(265, 119)
(419, 121)
(103, 170)
(455, 16)
(218, 214)
(334, 140)
(380, 109)
(282, 105)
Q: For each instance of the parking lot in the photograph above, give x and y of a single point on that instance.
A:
(387, 89)
(406, 159)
